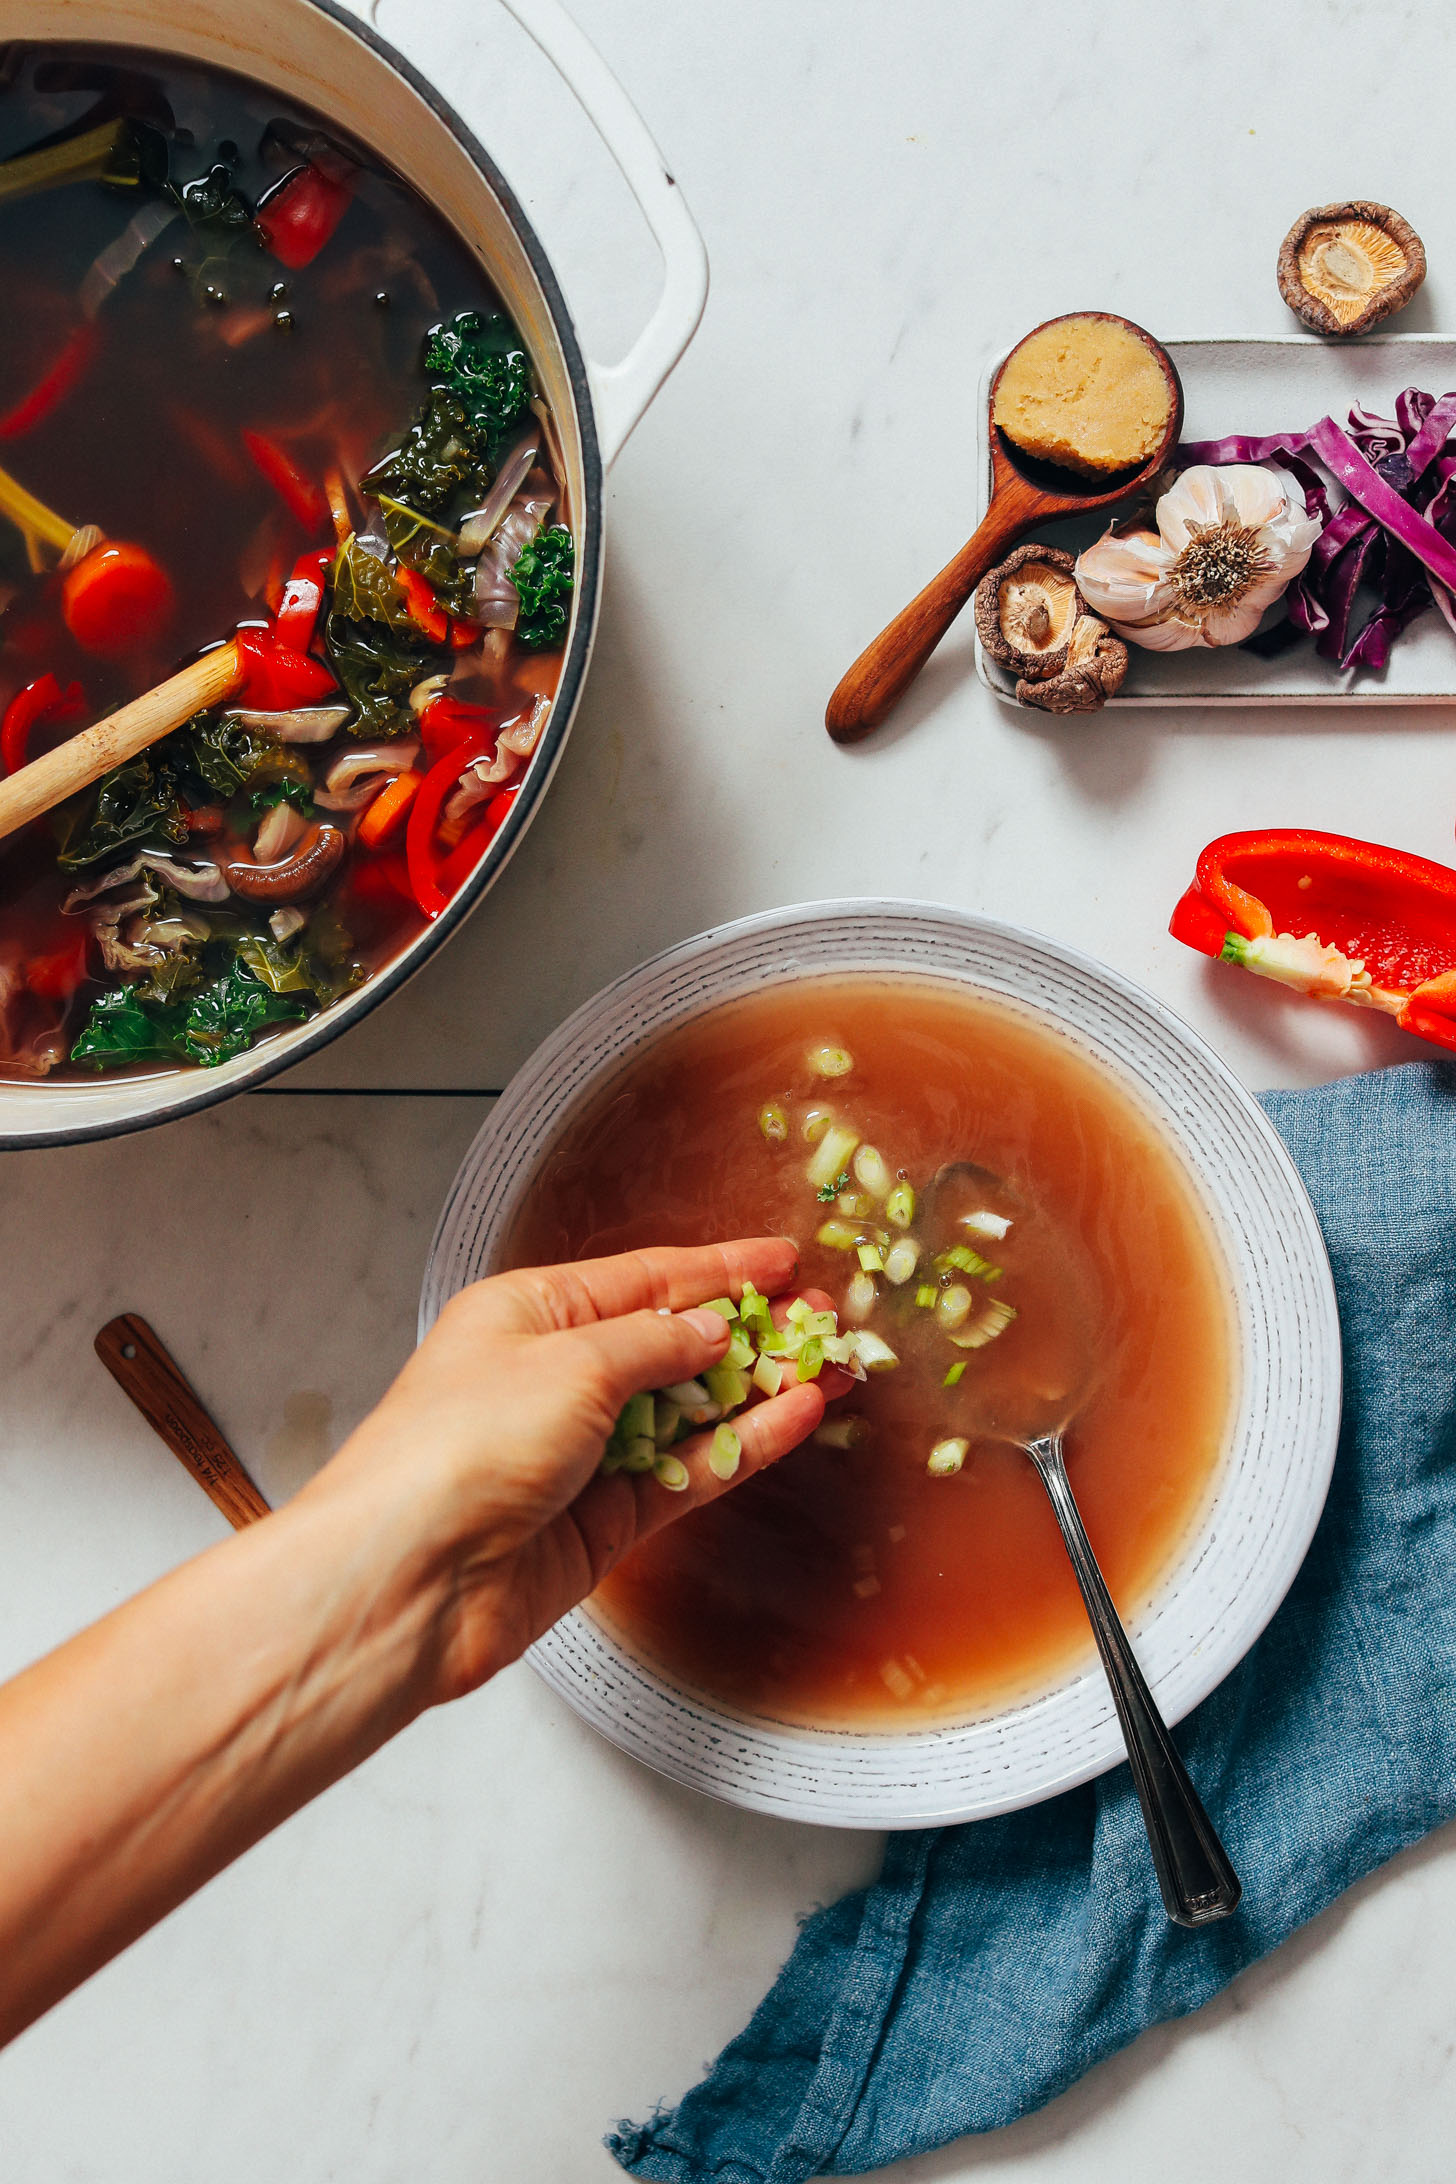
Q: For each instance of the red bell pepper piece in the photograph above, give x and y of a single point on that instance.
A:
(420, 853)
(56, 977)
(276, 678)
(448, 722)
(1336, 918)
(116, 599)
(41, 700)
(52, 389)
(468, 851)
(297, 218)
(425, 609)
(305, 501)
(303, 595)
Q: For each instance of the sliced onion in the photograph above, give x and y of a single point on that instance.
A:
(497, 602)
(283, 924)
(278, 830)
(480, 780)
(303, 724)
(522, 736)
(118, 258)
(202, 882)
(477, 530)
(356, 774)
(554, 454)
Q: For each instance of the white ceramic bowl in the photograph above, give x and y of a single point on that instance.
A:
(1234, 1568)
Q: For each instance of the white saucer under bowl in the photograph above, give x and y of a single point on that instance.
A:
(1259, 1516)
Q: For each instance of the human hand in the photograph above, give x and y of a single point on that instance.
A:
(493, 1433)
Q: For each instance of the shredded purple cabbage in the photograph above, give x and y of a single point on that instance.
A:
(1393, 532)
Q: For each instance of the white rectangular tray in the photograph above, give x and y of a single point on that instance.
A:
(1276, 385)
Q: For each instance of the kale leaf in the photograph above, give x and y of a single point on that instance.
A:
(374, 645)
(441, 452)
(482, 362)
(140, 801)
(296, 793)
(230, 757)
(431, 551)
(544, 576)
(209, 1025)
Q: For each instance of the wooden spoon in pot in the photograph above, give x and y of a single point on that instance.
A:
(1024, 493)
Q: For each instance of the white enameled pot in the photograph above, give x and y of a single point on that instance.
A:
(314, 52)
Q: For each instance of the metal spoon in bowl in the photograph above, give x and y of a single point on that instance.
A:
(1197, 1881)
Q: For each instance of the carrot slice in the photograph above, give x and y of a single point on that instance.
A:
(386, 814)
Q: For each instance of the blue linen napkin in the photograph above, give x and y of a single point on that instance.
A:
(992, 1964)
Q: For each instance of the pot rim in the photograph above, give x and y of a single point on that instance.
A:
(187, 1091)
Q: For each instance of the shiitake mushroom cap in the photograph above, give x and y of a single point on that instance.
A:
(1028, 643)
(1382, 264)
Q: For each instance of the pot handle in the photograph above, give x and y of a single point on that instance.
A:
(621, 392)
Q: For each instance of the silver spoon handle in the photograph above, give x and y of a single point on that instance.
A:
(1194, 1873)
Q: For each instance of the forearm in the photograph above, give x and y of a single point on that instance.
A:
(161, 1743)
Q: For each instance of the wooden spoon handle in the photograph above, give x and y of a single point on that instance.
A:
(886, 668)
(50, 779)
(140, 1365)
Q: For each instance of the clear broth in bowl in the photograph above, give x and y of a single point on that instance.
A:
(850, 1586)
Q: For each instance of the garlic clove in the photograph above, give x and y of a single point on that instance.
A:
(1125, 579)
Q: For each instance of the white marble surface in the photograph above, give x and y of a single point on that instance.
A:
(466, 1960)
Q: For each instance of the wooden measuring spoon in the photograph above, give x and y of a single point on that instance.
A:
(84, 758)
(1024, 493)
(146, 1372)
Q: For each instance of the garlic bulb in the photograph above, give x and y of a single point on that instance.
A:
(1231, 538)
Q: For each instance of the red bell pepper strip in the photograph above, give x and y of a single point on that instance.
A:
(1339, 919)
(447, 722)
(424, 818)
(468, 851)
(303, 595)
(425, 609)
(304, 500)
(41, 700)
(382, 882)
(51, 390)
(297, 218)
(276, 678)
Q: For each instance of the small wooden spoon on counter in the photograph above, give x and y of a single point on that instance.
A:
(55, 775)
(1024, 493)
(146, 1372)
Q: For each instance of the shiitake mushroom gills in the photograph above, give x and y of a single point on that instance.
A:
(1344, 268)
(1087, 393)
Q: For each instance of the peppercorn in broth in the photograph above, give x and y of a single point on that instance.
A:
(905, 1565)
(250, 380)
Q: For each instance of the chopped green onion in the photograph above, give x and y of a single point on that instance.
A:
(954, 1374)
(612, 1461)
(900, 1206)
(870, 1170)
(725, 1454)
(815, 1123)
(666, 1418)
(671, 1472)
(797, 1311)
(836, 1236)
(900, 1259)
(857, 1204)
(640, 1454)
(830, 1061)
(962, 1260)
(832, 1155)
(724, 1306)
(841, 1432)
(820, 1323)
(728, 1386)
(768, 1376)
(873, 1352)
(953, 1309)
(740, 1350)
(926, 1295)
(859, 1298)
(687, 1394)
(754, 1313)
(636, 1418)
(839, 1349)
(985, 1224)
(870, 1259)
(811, 1358)
(946, 1458)
(993, 1320)
(773, 1122)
